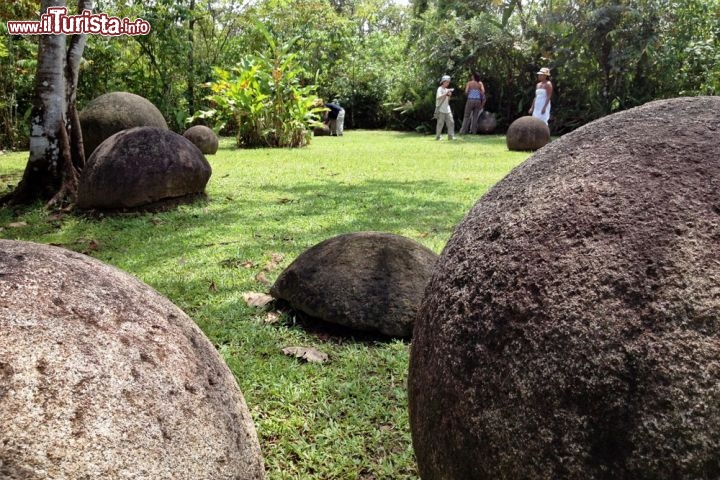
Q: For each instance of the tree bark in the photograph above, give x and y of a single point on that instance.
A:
(56, 150)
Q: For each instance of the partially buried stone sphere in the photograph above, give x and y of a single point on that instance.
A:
(113, 112)
(140, 167)
(368, 281)
(102, 377)
(322, 131)
(571, 329)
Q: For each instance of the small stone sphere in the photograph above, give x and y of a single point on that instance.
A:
(203, 138)
(527, 134)
(323, 131)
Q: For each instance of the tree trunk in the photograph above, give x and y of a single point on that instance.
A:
(191, 60)
(56, 150)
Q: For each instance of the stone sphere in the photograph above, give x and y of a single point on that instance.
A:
(140, 167)
(323, 131)
(367, 281)
(203, 138)
(527, 134)
(486, 122)
(113, 112)
(571, 328)
(102, 377)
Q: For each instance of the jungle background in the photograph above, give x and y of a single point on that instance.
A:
(381, 59)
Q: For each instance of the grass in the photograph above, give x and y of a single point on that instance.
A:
(345, 419)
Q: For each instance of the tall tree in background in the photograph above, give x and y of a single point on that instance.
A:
(56, 150)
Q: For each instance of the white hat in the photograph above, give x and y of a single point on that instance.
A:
(445, 78)
(544, 71)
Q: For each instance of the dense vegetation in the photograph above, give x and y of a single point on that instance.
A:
(381, 59)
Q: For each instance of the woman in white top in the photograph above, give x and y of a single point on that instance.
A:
(540, 107)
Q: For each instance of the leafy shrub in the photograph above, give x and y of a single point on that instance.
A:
(264, 97)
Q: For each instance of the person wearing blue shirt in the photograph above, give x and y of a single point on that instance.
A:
(475, 91)
(335, 118)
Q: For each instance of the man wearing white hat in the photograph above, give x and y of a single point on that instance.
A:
(442, 109)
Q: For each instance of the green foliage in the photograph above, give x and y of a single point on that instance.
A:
(687, 55)
(381, 58)
(264, 99)
(612, 55)
(457, 45)
(352, 50)
(18, 60)
(344, 419)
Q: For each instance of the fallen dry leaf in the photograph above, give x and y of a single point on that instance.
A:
(255, 299)
(260, 277)
(272, 318)
(308, 354)
(275, 260)
(17, 224)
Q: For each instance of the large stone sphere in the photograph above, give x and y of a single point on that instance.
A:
(367, 281)
(203, 138)
(571, 328)
(113, 112)
(527, 134)
(140, 167)
(102, 377)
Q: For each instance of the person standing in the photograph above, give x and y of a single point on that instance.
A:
(442, 109)
(540, 107)
(335, 118)
(475, 92)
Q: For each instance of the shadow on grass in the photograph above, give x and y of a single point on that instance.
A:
(330, 332)
(297, 216)
(183, 252)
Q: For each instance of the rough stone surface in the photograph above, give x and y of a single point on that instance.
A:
(203, 138)
(323, 131)
(527, 134)
(367, 281)
(102, 377)
(115, 111)
(487, 122)
(142, 166)
(571, 328)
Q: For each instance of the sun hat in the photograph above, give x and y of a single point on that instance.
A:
(544, 71)
(445, 78)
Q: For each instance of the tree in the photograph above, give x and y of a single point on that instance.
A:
(56, 149)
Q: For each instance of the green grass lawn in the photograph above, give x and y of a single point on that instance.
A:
(345, 419)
